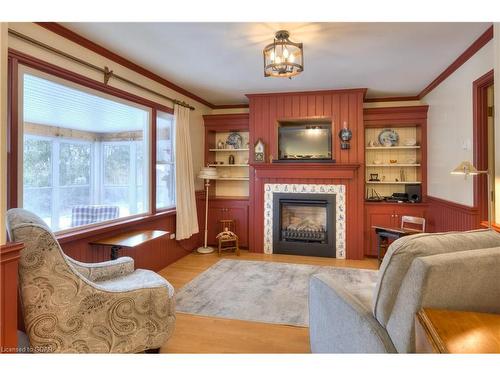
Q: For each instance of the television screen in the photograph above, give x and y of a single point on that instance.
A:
(305, 142)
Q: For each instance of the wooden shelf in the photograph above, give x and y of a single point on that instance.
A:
(233, 179)
(393, 165)
(392, 182)
(228, 165)
(227, 149)
(393, 148)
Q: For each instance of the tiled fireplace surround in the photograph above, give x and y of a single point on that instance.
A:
(337, 190)
(339, 179)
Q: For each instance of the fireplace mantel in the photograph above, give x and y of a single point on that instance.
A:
(305, 170)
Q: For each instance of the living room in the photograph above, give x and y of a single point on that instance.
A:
(249, 187)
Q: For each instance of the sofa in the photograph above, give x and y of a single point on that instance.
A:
(74, 307)
(456, 270)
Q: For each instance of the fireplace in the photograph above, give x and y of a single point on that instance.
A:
(304, 224)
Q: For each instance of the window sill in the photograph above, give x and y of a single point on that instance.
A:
(97, 230)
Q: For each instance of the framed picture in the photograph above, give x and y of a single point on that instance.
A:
(259, 151)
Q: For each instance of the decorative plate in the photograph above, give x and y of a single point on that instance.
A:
(388, 137)
(235, 140)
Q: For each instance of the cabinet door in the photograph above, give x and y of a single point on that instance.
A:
(383, 219)
(240, 217)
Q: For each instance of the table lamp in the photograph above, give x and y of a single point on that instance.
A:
(466, 168)
(207, 174)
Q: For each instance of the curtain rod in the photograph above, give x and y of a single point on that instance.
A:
(107, 74)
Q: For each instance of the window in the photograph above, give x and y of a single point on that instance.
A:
(165, 161)
(84, 154)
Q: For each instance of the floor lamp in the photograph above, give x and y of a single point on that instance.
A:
(207, 174)
(466, 168)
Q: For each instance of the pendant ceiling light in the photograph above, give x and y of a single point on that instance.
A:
(283, 58)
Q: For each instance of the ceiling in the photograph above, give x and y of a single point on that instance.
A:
(221, 62)
(49, 103)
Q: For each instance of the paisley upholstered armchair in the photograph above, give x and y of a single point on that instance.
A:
(71, 307)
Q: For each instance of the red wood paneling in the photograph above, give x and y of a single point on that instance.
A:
(226, 208)
(154, 255)
(266, 110)
(9, 258)
(444, 216)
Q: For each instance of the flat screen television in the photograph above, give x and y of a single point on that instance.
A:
(305, 142)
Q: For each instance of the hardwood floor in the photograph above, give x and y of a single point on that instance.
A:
(200, 334)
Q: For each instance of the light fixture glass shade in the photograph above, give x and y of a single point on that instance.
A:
(465, 168)
(208, 173)
(283, 58)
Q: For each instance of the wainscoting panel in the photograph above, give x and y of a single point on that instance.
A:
(154, 255)
(444, 216)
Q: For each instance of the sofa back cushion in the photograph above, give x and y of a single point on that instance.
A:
(465, 281)
(403, 251)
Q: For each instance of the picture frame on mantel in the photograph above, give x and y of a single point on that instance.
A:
(259, 151)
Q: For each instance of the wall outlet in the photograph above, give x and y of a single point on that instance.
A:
(172, 236)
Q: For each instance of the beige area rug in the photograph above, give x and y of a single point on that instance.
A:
(263, 291)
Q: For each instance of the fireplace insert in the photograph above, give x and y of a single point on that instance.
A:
(304, 142)
(304, 224)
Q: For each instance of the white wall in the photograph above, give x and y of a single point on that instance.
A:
(449, 134)
(54, 40)
(3, 128)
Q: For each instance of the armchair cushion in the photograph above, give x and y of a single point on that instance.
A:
(103, 270)
(66, 312)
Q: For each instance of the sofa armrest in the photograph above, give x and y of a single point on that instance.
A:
(104, 270)
(464, 280)
(340, 323)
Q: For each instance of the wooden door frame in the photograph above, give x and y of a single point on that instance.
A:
(480, 131)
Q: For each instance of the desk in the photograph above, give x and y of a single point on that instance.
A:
(457, 332)
(128, 240)
(391, 233)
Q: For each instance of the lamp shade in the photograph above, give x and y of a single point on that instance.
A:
(465, 168)
(208, 173)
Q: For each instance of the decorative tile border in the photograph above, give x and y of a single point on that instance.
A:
(338, 190)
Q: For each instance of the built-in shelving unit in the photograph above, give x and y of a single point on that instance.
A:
(233, 177)
(390, 168)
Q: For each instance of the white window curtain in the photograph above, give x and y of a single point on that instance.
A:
(187, 219)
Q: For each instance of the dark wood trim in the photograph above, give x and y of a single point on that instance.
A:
(480, 138)
(46, 67)
(9, 258)
(392, 99)
(103, 229)
(230, 106)
(12, 132)
(94, 47)
(17, 58)
(460, 60)
(318, 92)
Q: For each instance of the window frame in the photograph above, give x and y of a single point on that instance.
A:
(19, 63)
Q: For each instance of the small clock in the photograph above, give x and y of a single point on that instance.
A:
(259, 151)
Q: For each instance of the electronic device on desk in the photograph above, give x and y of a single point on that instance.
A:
(397, 197)
(414, 192)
